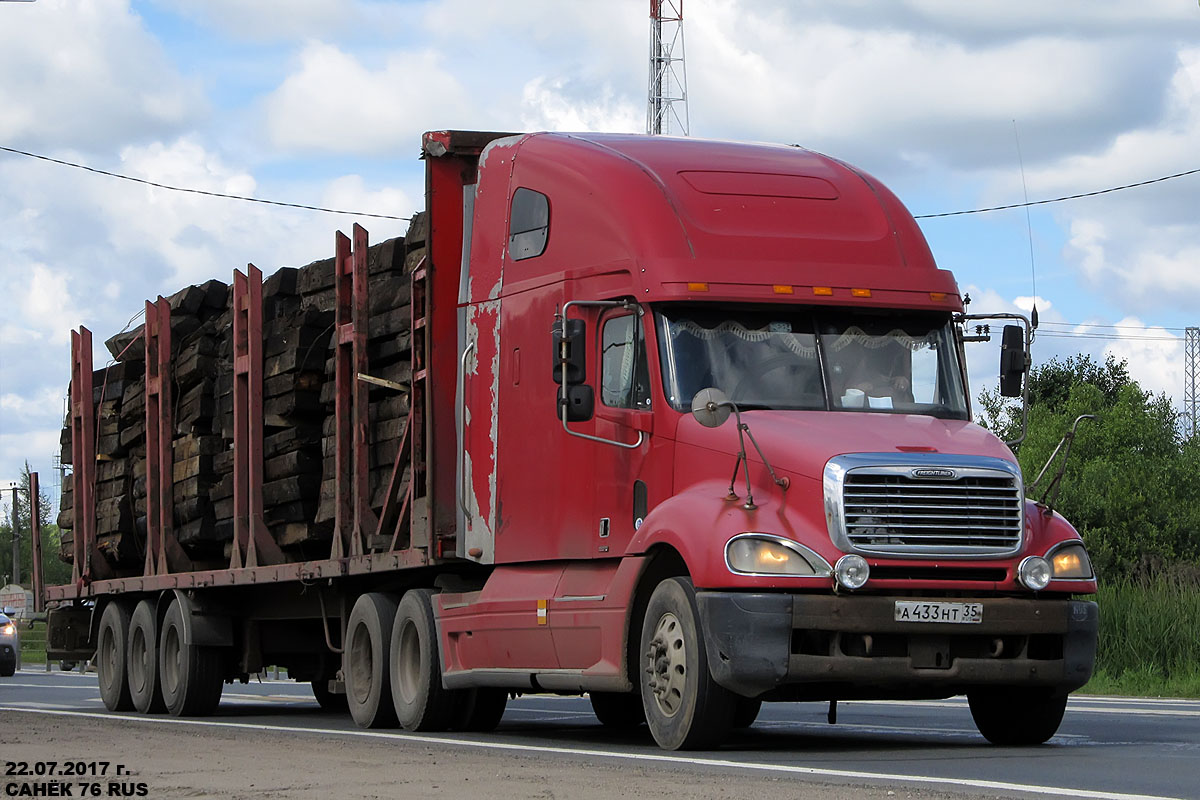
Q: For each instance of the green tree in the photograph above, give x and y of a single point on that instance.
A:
(1132, 483)
(54, 571)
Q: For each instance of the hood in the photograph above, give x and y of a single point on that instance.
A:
(801, 442)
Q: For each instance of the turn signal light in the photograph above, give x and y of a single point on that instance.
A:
(937, 295)
(697, 286)
(825, 291)
(781, 289)
(860, 292)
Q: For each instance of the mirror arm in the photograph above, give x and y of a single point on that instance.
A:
(562, 315)
(960, 318)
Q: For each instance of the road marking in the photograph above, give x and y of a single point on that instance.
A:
(44, 686)
(661, 758)
(1072, 707)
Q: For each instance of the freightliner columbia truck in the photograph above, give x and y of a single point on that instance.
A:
(690, 432)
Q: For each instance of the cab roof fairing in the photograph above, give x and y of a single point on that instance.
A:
(691, 210)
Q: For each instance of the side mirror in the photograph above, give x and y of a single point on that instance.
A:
(579, 400)
(1012, 361)
(570, 349)
(711, 407)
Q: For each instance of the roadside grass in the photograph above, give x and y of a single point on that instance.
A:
(1149, 638)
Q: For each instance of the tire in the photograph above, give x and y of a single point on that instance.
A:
(1008, 716)
(685, 708)
(365, 661)
(112, 643)
(327, 700)
(141, 660)
(480, 710)
(618, 710)
(745, 712)
(421, 702)
(189, 675)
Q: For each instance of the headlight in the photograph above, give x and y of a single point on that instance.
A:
(1071, 561)
(757, 554)
(1034, 573)
(8, 629)
(852, 572)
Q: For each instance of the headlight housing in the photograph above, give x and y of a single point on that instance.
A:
(1070, 562)
(761, 554)
(1034, 573)
(8, 629)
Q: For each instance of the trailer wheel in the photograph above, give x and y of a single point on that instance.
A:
(365, 661)
(685, 708)
(327, 700)
(1009, 716)
(189, 674)
(142, 660)
(112, 641)
(422, 704)
(480, 710)
(618, 710)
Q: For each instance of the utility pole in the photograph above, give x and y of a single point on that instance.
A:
(16, 539)
(1191, 378)
(666, 98)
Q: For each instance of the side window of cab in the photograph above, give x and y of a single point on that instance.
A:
(624, 371)
(529, 224)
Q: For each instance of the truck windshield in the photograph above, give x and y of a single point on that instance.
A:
(836, 360)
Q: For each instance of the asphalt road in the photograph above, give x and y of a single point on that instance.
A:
(1106, 747)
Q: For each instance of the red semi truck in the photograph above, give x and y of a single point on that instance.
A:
(690, 430)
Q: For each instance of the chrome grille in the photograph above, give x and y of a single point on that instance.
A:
(892, 510)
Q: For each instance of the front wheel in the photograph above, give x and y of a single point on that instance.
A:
(1008, 716)
(685, 708)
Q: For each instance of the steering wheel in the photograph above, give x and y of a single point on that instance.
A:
(761, 370)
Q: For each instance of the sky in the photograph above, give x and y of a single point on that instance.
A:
(954, 105)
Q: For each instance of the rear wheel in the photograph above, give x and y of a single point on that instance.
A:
(112, 643)
(480, 710)
(365, 661)
(685, 708)
(746, 712)
(422, 703)
(142, 660)
(1007, 716)
(189, 674)
(618, 709)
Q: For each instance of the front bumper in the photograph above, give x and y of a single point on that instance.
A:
(826, 647)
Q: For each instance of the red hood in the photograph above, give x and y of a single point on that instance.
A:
(801, 442)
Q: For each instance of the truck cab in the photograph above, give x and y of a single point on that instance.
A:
(848, 532)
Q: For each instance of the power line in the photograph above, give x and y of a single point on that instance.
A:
(1118, 327)
(198, 191)
(1111, 337)
(1060, 199)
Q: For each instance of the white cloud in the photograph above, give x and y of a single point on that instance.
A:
(334, 102)
(550, 104)
(86, 74)
(266, 19)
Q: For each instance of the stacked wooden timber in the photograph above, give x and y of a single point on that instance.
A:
(298, 412)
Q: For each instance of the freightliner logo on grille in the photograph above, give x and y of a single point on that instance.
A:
(934, 474)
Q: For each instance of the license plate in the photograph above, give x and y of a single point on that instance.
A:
(963, 613)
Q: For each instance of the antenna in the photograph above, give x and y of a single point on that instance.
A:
(1028, 227)
(1191, 379)
(666, 105)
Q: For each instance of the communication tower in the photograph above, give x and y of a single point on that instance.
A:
(666, 107)
(1191, 380)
